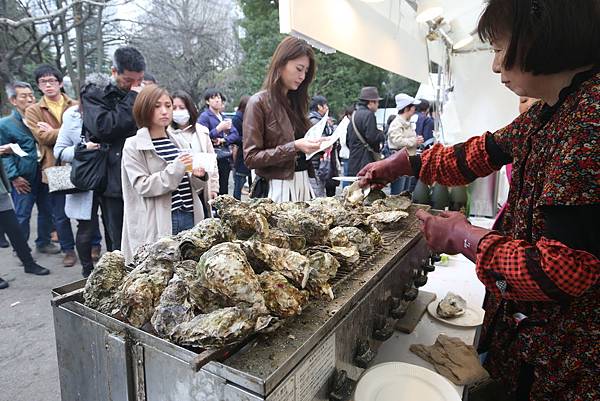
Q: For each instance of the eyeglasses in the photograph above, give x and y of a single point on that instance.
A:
(51, 81)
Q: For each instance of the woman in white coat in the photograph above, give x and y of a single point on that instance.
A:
(195, 137)
(159, 184)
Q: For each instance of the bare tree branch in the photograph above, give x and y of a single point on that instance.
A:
(49, 16)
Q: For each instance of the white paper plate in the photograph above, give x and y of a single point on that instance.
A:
(473, 316)
(399, 381)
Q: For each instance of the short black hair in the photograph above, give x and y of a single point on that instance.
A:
(317, 101)
(545, 36)
(212, 92)
(149, 77)
(128, 58)
(47, 70)
(423, 106)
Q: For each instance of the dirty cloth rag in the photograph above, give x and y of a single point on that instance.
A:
(453, 359)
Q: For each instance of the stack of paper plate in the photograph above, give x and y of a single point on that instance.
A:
(399, 381)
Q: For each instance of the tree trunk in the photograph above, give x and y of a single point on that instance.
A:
(99, 41)
(78, 17)
(67, 49)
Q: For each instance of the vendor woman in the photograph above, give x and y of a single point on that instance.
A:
(275, 122)
(541, 269)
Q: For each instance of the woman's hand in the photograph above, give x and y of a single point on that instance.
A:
(213, 195)
(199, 172)
(5, 149)
(224, 125)
(308, 146)
(187, 159)
(92, 146)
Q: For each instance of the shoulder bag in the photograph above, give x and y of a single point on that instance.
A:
(59, 178)
(89, 167)
(376, 155)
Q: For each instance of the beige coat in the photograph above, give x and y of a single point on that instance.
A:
(198, 140)
(402, 135)
(148, 181)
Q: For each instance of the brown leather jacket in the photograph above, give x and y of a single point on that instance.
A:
(268, 138)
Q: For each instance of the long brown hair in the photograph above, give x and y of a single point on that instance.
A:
(296, 104)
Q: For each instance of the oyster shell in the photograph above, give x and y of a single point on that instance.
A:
(300, 223)
(264, 206)
(225, 270)
(281, 297)
(349, 217)
(219, 328)
(104, 282)
(342, 236)
(141, 289)
(346, 255)
(452, 305)
(277, 238)
(203, 236)
(243, 221)
(354, 194)
(165, 249)
(290, 264)
(389, 220)
(323, 268)
(392, 202)
(372, 196)
(174, 307)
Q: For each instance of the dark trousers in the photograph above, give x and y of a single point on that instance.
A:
(62, 223)
(181, 221)
(86, 232)
(24, 205)
(239, 180)
(112, 216)
(224, 166)
(10, 225)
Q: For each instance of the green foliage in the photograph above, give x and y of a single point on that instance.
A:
(339, 76)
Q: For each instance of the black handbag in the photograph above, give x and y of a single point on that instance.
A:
(224, 152)
(259, 188)
(89, 168)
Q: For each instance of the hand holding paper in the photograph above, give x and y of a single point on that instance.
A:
(17, 150)
(328, 141)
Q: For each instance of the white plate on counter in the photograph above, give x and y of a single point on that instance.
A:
(473, 316)
(399, 381)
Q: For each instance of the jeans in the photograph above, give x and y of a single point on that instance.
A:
(112, 217)
(404, 183)
(24, 205)
(181, 221)
(345, 164)
(62, 223)
(86, 232)
(238, 183)
(10, 225)
(224, 166)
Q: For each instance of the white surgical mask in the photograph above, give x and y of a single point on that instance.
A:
(181, 116)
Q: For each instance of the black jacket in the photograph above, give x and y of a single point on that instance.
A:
(367, 126)
(107, 118)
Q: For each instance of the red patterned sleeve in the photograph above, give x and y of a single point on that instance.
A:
(550, 270)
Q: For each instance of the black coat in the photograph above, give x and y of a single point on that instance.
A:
(367, 125)
(107, 119)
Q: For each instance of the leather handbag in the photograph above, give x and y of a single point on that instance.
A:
(89, 168)
(59, 178)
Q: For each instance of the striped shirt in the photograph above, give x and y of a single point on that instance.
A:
(182, 196)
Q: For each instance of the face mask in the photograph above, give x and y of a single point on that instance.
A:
(181, 116)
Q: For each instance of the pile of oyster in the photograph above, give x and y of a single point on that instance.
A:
(242, 273)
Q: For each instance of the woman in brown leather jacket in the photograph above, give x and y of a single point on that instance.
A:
(275, 123)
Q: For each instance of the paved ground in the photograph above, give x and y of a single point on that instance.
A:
(28, 367)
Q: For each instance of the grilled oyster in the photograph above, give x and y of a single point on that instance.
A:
(387, 220)
(276, 237)
(219, 328)
(342, 236)
(323, 268)
(392, 202)
(281, 297)
(166, 249)
(290, 264)
(349, 217)
(372, 196)
(203, 236)
(451, 306)
(104, 282)
(141, 289)
(354, 194)
(243, 221)
(264, 206)
(346, 255)
(287, 206)
(174, 307)
(225, 270)
(300, 223)
(373, 233)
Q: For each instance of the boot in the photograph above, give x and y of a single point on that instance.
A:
(34, 268)
(3, 284)
(86, 271)
(70, 258)
(3, 242)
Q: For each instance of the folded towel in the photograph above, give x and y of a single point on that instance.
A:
(453, 359)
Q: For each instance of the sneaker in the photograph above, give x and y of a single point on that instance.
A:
(50, 249)
(70, 259)
(3, 242)
(3, 284)
(96, 250)
(34, 268)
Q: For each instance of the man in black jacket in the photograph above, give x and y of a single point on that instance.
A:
(107, 119)
(361, 153)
